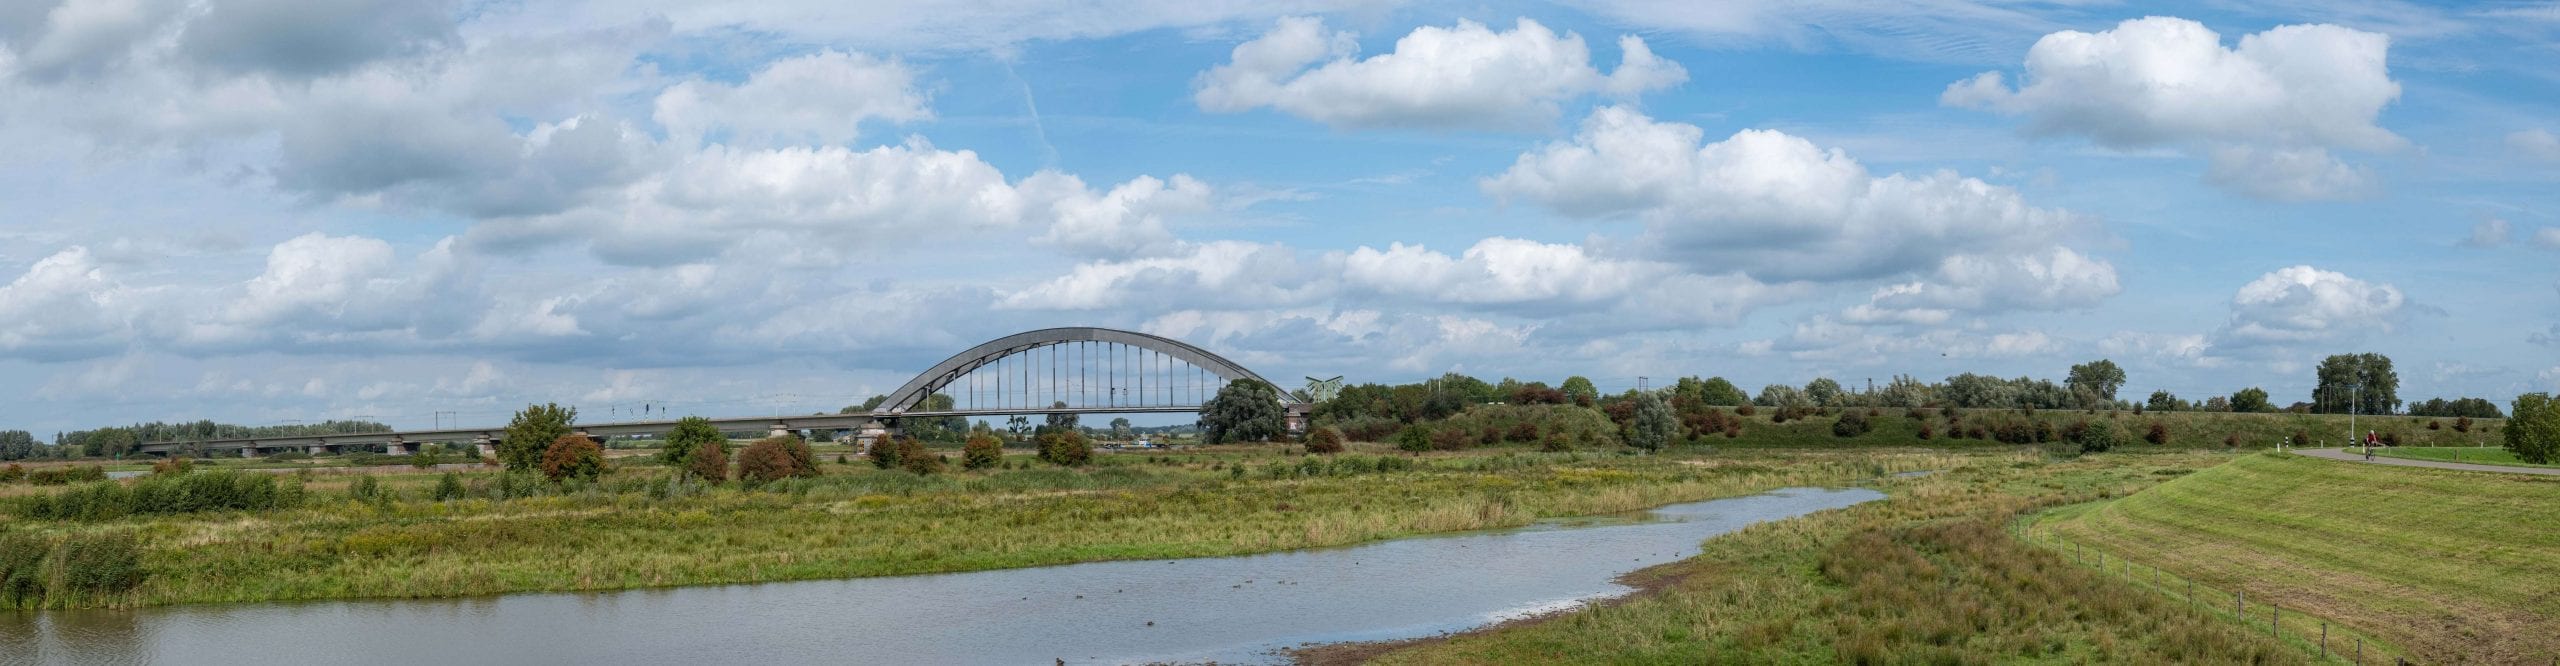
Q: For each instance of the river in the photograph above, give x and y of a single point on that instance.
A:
(1228, 609)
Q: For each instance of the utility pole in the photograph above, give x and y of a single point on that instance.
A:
(1640, 383)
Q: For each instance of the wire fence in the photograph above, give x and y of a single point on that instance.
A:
(2329, 641)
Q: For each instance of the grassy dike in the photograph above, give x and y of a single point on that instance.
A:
(2446, 566)
(1930, 575)
(863, 522)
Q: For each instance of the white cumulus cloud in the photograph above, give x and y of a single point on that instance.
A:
(2267, 112)
(1463, 76)
(2300, 304)
(1772, 205)
(818, 98)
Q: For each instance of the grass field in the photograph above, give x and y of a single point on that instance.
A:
(858, 521)
(1930, 575)
(2466, 454)
(2449, 566)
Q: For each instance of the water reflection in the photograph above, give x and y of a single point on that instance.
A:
(1233, 609)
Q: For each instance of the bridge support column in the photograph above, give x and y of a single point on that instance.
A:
(248, 452)
(780, 430)
(316, 449)
(396, 447)
(487, 448)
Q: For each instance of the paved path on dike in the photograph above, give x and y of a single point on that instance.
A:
(2349, 456)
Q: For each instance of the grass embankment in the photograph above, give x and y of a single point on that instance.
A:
(1930, 575)
(2185, 430)
(2448, 566)
(2461, 454)
(859, 521)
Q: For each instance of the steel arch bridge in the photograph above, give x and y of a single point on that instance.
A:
(1071, 370)
(1074, 370)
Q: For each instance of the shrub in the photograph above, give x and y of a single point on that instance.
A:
(1414, 438)
(764, 462)
(1927, 431)
(1450, 439)
(982, 451)
(883, 452)
(2098, 437)
(1369, 428)
(533, 432)
(709, 462)
(2231, 441)
(365, 488)
(22, 569)
(1327, 440)
(2158, 434)
(913, 457)
(1851, 423)
(101, 564)
(449, 487)
(2391, 438)
(13, 473)
(1654, 425)
(1733, 430)
(802, 459)
(2433, 424)
(573, 456)
(2462, 424)
(1524, 431)
(2301, 438)
(1916, 414)
(1554, 442)
(1066, 447)
(1746, 410)
(172, 466)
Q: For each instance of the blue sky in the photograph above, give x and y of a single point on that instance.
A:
(258, 212)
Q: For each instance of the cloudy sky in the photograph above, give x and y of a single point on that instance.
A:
(264, 211)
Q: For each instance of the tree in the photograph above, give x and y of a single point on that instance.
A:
(981, 452)
(1579, 389)
(1824, 392)
(1245, 411)
(532, 432)
(2164, 401)
(2533, 428)
(2363, 383)
(709, 462)
(1121, 430)
(1065, 447)
(1722, 393)
(1019, 426)
(1654, 425)
(2216, 404)
(2100, 378)
(17, 445)
(1781, 395)
(573, 456)
(687, 437)
(1061, 419)
(2251, 400)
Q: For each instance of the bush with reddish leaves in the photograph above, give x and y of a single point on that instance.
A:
(1324, 440)
(709, 463)
(573, 456)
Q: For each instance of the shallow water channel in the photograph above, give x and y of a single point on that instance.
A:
(1225, 609)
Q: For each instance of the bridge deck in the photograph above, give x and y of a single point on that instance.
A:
(810, 422)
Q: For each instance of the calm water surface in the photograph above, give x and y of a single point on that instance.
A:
(1227, 609)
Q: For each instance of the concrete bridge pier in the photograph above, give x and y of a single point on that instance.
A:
(780, 430)
(396, 447)
(486, 447)
(248, 452)
(316, 449)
